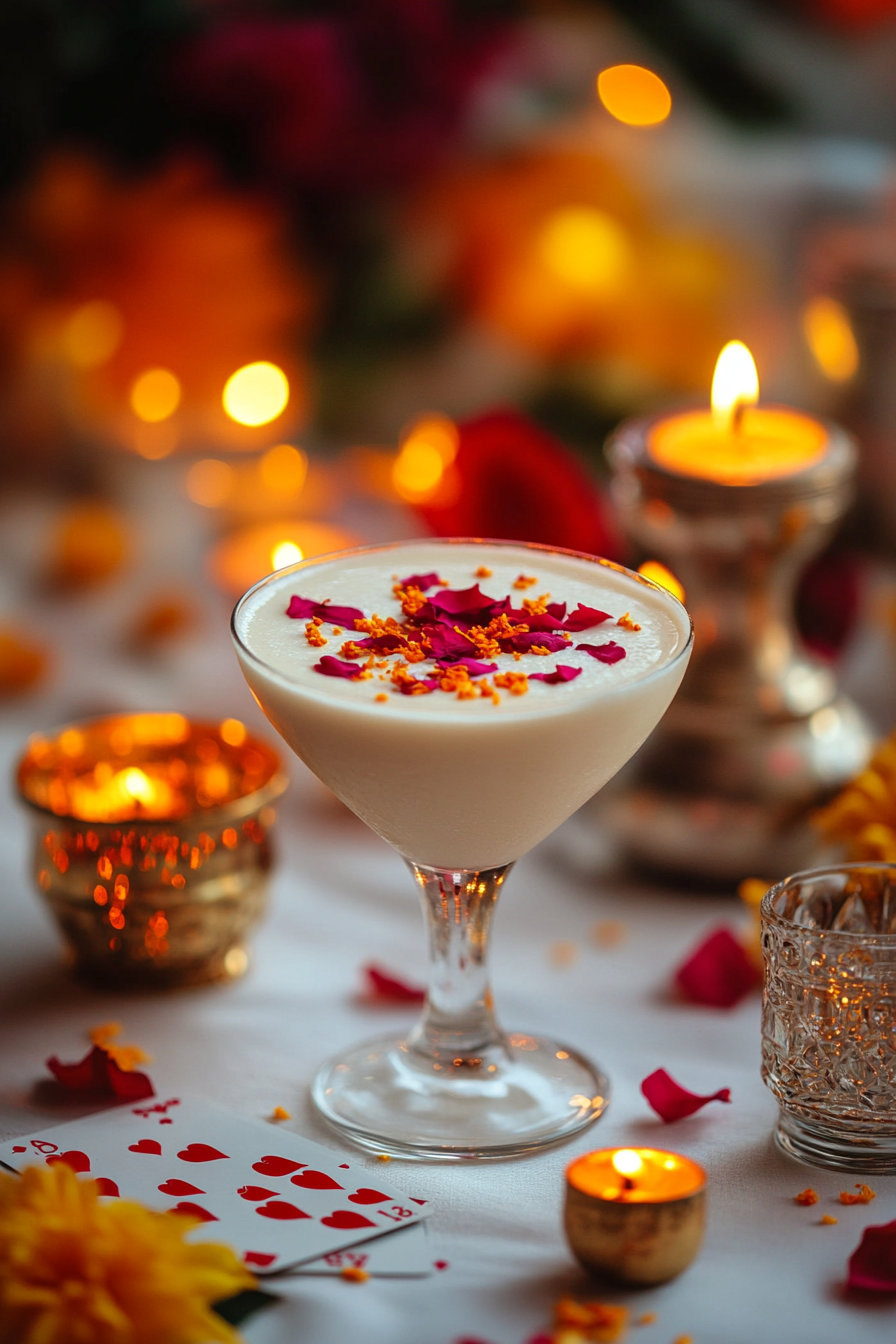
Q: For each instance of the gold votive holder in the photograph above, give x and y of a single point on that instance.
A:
(152, 844)
(636, 1216)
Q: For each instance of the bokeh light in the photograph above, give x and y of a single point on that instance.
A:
(634, 95)
(428, 449)
(829, 335)
(92, 334)
(210, 482)
(283, 469)
(233, 732)
(155, 395)
(285, 553)
(256, 393)
(652, 569)
(585, 248)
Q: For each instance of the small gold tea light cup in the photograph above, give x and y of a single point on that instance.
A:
(635, 1215)
(152, 844)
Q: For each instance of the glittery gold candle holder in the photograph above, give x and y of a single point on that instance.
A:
(152, 844)
(635, 1215)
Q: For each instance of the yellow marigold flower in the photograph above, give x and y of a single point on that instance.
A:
(75, 1271)
(863, 815)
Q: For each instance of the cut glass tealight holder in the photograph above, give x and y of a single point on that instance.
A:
(829, 1015)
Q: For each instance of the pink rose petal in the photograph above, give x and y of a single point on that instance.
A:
(303, 608)
(388, 988)
(467, 602)
(522, 643)
(474, 668)
(583, 618)
(337, 667)
(604, 653)
(872, 1264)
(671, 1101)
(560, 673)
(446, 644)
(422, 581)
(718, 973)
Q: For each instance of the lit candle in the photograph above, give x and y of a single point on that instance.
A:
(243, 557)
(737, 442)
(635, 1215)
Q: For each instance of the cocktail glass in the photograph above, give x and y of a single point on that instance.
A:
(462, 794)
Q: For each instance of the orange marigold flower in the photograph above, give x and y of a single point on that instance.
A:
(627, 623)
(73, 1269)
(314, 635)
(865, 1195)
(806, 1197)
(525, 581)
(536, 606)
(483, 572)
(127, 1057)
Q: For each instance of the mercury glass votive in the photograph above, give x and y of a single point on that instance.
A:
(829, 1015)
(152, 844)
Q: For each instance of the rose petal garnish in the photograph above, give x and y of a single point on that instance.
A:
(99, 1074)
(523, 642)
(469, 602)
(560, 673)
(421, 581)
(388, 988)
(583, 618)
(671, 1101)
(872, 1265)
(604, 653)
(382, 643)
(475, 669)
(446, 644)
(557, 610)
(337, 667)
(718, 973)
(303, 608)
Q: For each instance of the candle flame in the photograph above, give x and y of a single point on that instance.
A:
(627, 1162)
(285, 553)
(139, 785)
(735, 383)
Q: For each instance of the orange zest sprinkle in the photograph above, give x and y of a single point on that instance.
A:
(865, 1195)
(517, 683)
(382, 698)
(411, 599)
(540, 650)
(280, 1113)
(525, 581)
(684, 1339)
(314, 635)
(828, 1220)
(401, 676)
(337, 630)
(806, 1197)
(483, 572)
(627, 623)
(353, 1275)
(536, 606)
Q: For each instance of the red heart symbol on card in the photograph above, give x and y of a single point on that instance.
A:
(176, 1187)
(345, 1219)
(259, 1258)
(200, 1152)
(366, 1196)
(316, 1180)
(254, 1192)
(194, 1211)
(146, 1146)
(278, 1208)
(106, 1187)
(19, 1149)
(77, 1161)
(276, 1166)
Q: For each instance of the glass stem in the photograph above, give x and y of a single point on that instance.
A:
(458, 1024)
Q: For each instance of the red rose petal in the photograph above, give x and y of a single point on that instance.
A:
(719, 973)
(560, 673)
(446, 644)
(604, 653)
(522, 643)
(98, 1073)
(303, 608)
(872, 1265)
(337, 667)
(474, 668)
(583, 618)
(389, 989)
(422, 581)
(462, 602)
(671, 1101)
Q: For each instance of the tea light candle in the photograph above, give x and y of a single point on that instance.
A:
(635, 1215)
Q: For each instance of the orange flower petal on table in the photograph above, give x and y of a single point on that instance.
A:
(718, 973)
(806, 1197)
(865, 1195)
(673, 1102)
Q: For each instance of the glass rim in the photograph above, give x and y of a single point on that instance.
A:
(769, 913)
(379, 547)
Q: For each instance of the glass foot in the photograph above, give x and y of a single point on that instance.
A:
(388, 1097)
(819, 1146)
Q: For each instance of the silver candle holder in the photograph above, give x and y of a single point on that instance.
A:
(758, 734)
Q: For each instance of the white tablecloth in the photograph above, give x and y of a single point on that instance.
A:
(768, 1271)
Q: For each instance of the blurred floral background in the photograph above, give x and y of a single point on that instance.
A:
(278, 278)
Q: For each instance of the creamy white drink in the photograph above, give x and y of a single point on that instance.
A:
(473, 775)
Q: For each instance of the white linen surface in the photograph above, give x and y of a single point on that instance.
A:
(340, 897)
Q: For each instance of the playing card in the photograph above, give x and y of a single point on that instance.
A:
(406, 1253)
(278, 1198)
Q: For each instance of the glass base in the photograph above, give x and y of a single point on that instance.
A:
(819, 1146)
(390, 1098)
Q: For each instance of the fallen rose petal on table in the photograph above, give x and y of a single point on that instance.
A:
(671, 1101)
(719, 973)
(99, 1074)
(872, 1264)
(389, 989)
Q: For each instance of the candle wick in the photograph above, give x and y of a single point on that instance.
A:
(628, 1183)
(737, 416)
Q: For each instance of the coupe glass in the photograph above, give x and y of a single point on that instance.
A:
(458, 1086)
